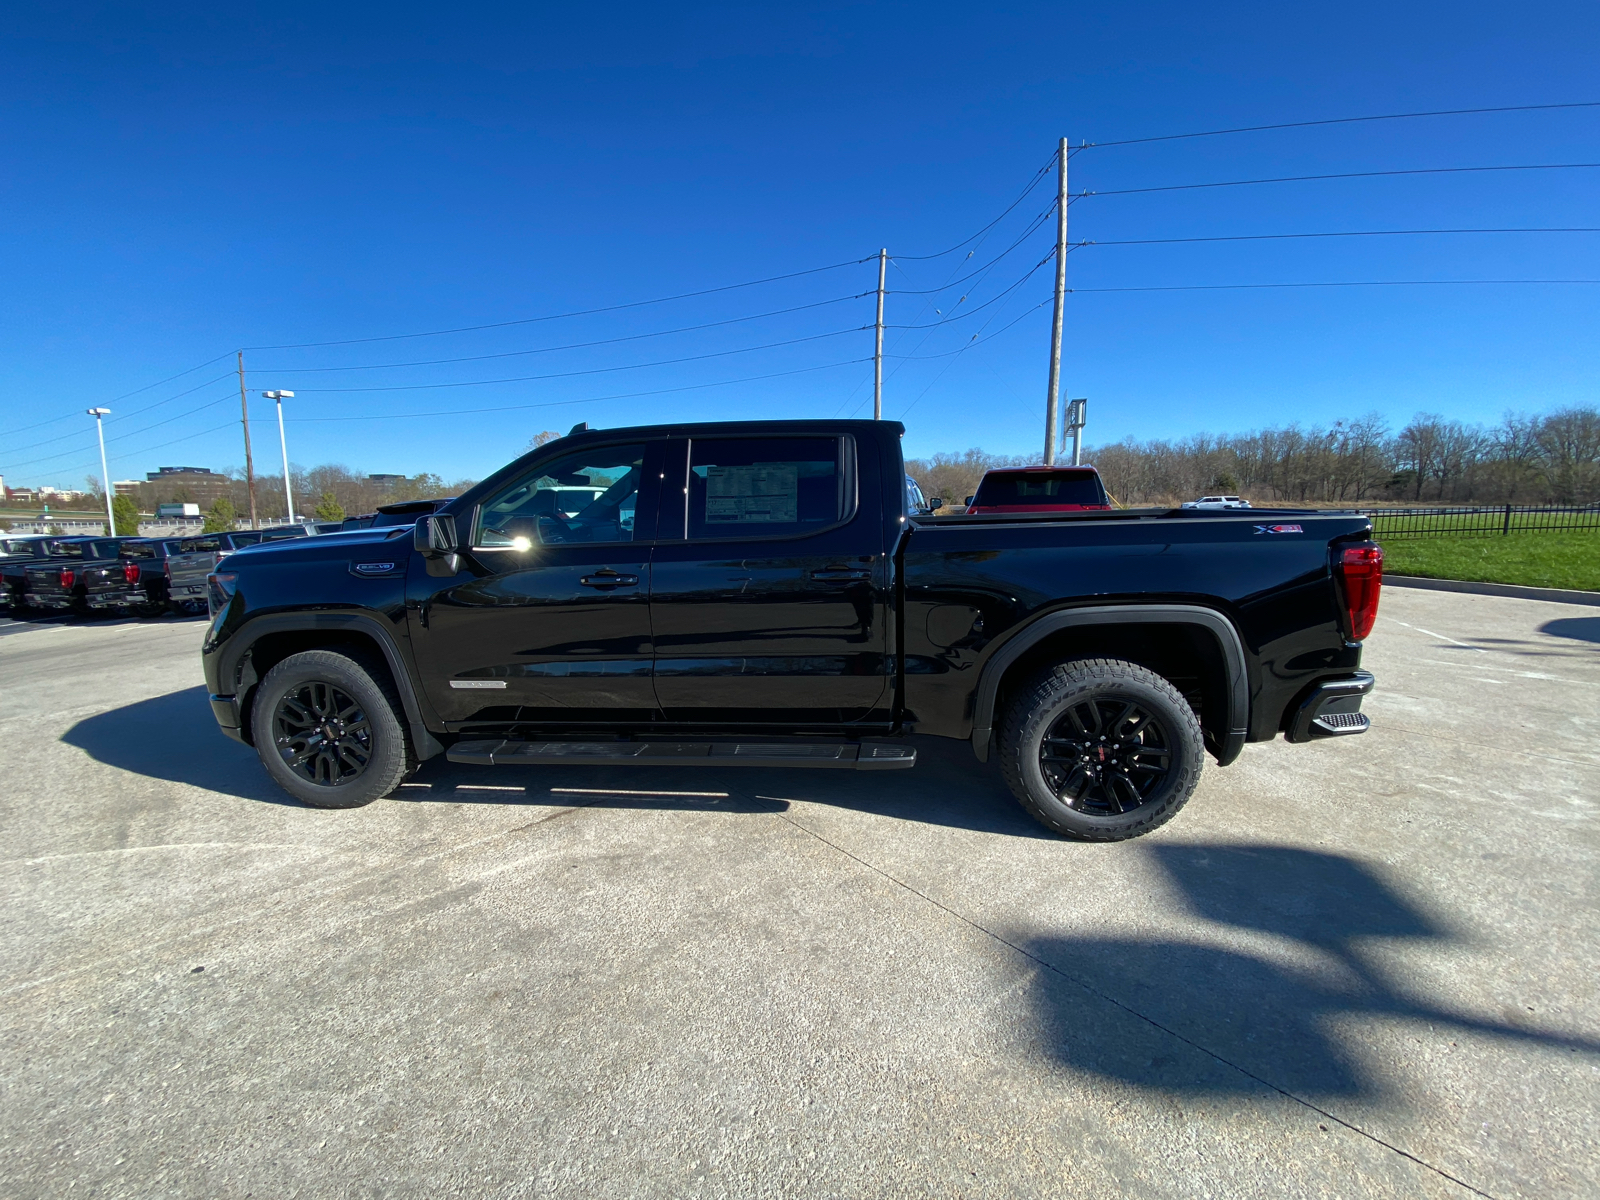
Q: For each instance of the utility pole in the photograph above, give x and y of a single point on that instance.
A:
(99, 415)
(1052, 401)
(877, 354)
(249, 463)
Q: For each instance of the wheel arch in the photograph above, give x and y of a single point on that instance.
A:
(1200, 638)
(266, 641)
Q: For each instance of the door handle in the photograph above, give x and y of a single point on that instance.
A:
(609, 579)
(840, 575)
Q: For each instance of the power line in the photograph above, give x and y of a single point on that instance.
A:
(454, 412)
(1185, 187)
(1026, 234)
(131, 433)
(1224, 287)
(977, 339)
(1264, 237)
(665, 362)
(587, 312)
(1444, 112)
(124, 396)
(980, 307)
(1032, 183)
(124, 416)
(553, 349)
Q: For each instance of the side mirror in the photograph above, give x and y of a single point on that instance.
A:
(435, 536)
(935, 503)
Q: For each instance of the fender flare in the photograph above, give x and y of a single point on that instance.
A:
(233, 651)
(1030, 635)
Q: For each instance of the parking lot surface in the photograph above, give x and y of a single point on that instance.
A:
(1363, 967)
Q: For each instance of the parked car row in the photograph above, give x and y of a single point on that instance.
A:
(147, 576)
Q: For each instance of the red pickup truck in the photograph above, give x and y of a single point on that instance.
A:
(1039, 489)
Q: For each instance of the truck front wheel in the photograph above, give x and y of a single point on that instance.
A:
(1100, 749)
(328, 728)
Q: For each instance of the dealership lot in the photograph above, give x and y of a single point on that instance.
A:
(1363, 967)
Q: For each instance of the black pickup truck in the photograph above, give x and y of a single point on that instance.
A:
(763, 594)
(44, 573)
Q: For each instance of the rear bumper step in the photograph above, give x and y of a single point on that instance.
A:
(848, 756)
(1333, 709)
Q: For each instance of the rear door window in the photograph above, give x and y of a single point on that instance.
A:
(207, 545)
(751, 488)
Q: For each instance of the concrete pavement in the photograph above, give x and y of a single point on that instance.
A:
(1360, 967)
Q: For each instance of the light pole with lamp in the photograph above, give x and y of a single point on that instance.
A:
(99, 415)
(288, 490)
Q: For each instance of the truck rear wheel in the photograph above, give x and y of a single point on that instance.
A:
(328, 727)
(1101, 750)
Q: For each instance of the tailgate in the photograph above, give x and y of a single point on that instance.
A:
(188, 572)
(46, 580)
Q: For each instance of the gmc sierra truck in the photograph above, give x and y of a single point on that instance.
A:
(764, 594)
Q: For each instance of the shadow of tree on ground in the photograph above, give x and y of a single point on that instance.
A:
(1186, 1005)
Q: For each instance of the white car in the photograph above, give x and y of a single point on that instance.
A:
(1217, 502)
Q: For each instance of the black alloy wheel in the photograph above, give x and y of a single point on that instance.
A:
(1100, 749)
(1105, 755)
(322, 734)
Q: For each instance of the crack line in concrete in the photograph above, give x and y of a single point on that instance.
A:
(1109, 999)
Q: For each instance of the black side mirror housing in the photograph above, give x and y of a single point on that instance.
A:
(935, 503)
(435, 539)
(436, 535)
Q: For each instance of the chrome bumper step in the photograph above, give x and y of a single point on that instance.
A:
(848, 756)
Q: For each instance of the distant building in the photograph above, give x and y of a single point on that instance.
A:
(386, 480)
(126, 487)
(199, 485)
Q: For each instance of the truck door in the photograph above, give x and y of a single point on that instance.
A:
(549, 620)
(769, 584)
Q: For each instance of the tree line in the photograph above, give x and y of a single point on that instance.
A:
(327, 493)
(1550, 458)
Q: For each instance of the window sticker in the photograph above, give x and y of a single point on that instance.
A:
(766, 492)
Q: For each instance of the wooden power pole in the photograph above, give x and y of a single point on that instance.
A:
(249, 463)
(1052, 401)
(877, 354)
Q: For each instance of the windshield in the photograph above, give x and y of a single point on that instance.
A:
(1037, 488)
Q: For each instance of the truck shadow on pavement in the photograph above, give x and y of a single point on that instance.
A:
(948, 787)
(175, 737)
(1256, 1015)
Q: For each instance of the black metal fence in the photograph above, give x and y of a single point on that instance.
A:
(1493, 520)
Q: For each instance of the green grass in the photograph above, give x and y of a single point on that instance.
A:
(1558, 560)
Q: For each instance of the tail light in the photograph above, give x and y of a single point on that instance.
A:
(130, 572)
(68, 578)
(1360, 571)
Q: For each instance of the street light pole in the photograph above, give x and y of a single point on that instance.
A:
(288, 490)
(99, 415)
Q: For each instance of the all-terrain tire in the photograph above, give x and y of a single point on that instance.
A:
(363, 708)
(1087, 687)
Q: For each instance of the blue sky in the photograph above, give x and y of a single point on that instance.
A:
(185, 181)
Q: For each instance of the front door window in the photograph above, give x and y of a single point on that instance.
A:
(587, 498)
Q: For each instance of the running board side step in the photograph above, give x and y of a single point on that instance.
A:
(849, 756)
